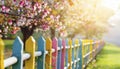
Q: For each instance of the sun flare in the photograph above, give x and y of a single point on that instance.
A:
(113, 4)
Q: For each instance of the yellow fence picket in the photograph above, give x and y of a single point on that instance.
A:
(30, 48)
(1, 54)
(91, 49)
(48, 60)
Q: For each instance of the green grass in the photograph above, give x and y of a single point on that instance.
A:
(109, 58)
(8, 44)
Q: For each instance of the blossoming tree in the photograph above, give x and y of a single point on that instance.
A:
(27, 15)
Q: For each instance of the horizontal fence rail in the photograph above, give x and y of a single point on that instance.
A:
(50, 54)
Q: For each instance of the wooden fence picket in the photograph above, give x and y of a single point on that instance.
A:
(77, 53)
(59, 54)
(42, 48)
(48, 60)
(63, 54)
(18, 53)
(54, 55)
(80, 55)
(30, 48)
(70, 54)
(73, 53)
(91, 49)
(66, 53)
(1, 54)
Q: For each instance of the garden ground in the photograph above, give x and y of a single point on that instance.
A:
(109, 58)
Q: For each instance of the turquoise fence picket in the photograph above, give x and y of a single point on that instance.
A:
(80, 55)
(17, 52)
(42, 48)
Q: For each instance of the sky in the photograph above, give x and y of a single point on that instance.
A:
(113, 4)
(113, 35)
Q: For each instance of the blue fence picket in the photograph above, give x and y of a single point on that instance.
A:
(80, 55)
(17, 52)
(42, 48)
(59, 54)
(63, 54)
(77, 53)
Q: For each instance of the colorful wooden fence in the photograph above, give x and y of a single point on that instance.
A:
(50, 54)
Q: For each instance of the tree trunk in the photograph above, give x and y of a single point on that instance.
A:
(26, 33)
(52, 33)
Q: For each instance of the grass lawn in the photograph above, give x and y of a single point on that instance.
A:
(109, 58)
(8, 47)
(8, 44)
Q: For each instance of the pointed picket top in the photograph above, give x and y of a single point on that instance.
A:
(48, 43)
(1, 44)
(77, 42)
(60, 42)
(70, 42)
(55, 41)
(17, 52)
(41, 44)
(1, 54)
(63, 43)
(18, 42)
(30, 48)
(54, 55)
(73, 43)
(66, 42)
(30, 40)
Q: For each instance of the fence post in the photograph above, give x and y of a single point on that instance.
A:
(30, 48)
(54, 55)
(1, 54)
(59, 54)
(42, 48)
(48, 64)
(18, 53)
(63, 54)
(80, 54)
(70, 54)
